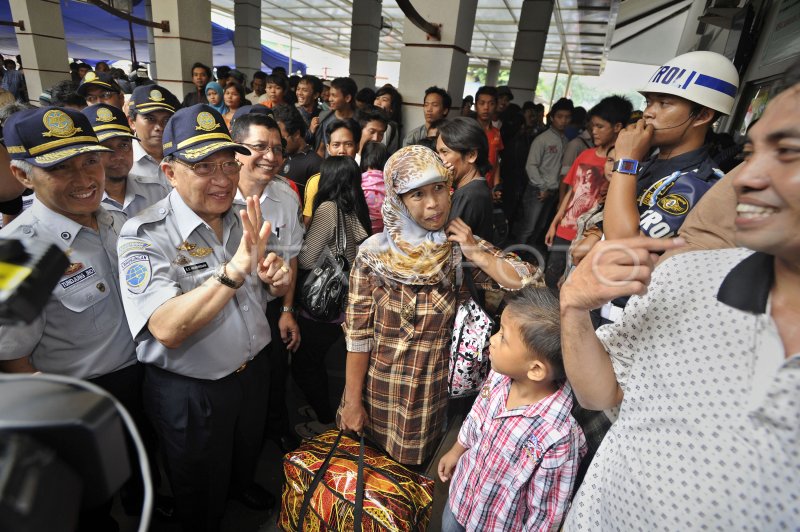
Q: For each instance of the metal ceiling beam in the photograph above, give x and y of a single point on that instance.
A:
(433, 30)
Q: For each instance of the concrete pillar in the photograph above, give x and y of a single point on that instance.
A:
(41, 45)
(364, 41)
(151, 45)
(534, 22)
(492, 72)
(247, 37)
(424, 62)
(188, 40)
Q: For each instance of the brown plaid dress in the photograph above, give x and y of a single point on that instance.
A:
(406, 329)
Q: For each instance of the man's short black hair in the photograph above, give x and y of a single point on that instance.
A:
(366, 96)
(223, 71)
(241, 126)
(348, 124)
(578, 116)
(279, 71)
(314, 81)
(371, 113)
(348, 87)
(203, 66)
(291, 119)
(491, 91)
(563, 104)
(64, 93)
(260, 75)
(281, 81)
(613, 109)
(447, 101)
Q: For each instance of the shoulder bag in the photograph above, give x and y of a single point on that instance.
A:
(323, 293)
(469, 345)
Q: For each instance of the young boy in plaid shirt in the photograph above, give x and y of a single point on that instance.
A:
(517, 455)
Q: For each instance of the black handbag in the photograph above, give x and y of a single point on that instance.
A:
(323, 292)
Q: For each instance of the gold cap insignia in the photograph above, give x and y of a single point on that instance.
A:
(156, 95)
(59, 124)
(206, 122)
(104, 114)
(90, 76)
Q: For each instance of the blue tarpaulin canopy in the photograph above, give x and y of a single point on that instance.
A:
(95, 35)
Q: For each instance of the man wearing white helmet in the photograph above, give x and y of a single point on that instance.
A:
(684, 99)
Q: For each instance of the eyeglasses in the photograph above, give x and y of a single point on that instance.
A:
(102, 96)
(263, 148)
(205, 168)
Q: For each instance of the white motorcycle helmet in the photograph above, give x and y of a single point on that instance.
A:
(705, 78)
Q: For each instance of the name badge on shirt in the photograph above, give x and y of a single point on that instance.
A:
(78, 277)
(195, 267)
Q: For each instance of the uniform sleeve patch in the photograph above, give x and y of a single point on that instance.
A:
(133, 246)
(136, 272)
(675, 204)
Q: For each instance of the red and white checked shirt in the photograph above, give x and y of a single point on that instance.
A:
(520, 465)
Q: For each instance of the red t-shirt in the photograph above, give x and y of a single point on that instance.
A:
(495, 147)
(587, 178)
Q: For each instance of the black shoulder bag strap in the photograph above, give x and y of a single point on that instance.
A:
(479, 298)
(341, 229)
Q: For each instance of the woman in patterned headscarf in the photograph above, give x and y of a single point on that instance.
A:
(403, 295)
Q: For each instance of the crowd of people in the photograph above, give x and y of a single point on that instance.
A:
(621, 395)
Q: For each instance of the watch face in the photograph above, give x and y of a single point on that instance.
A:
(627, 166)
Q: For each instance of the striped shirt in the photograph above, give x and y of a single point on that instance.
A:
(520, 465)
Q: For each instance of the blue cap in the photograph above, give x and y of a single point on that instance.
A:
(103, 80)
(107, 121)
(148, 98)
(195, 132)
(50, 135)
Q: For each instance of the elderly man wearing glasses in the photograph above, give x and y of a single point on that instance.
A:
(195, 275)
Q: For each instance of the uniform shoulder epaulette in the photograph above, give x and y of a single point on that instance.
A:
(707, 171)
(152, 214)
(23, 226)
(115, 218)
(149, 181)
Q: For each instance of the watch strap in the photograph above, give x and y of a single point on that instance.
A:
(222, 277)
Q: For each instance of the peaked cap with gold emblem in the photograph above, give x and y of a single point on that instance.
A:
(48, 136)
(108, 121)
(194, 133)
(102, 80)
(148, 98)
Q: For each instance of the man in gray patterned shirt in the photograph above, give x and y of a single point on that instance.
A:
(704, 364)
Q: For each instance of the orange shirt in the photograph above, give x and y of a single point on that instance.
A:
(495, 147)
